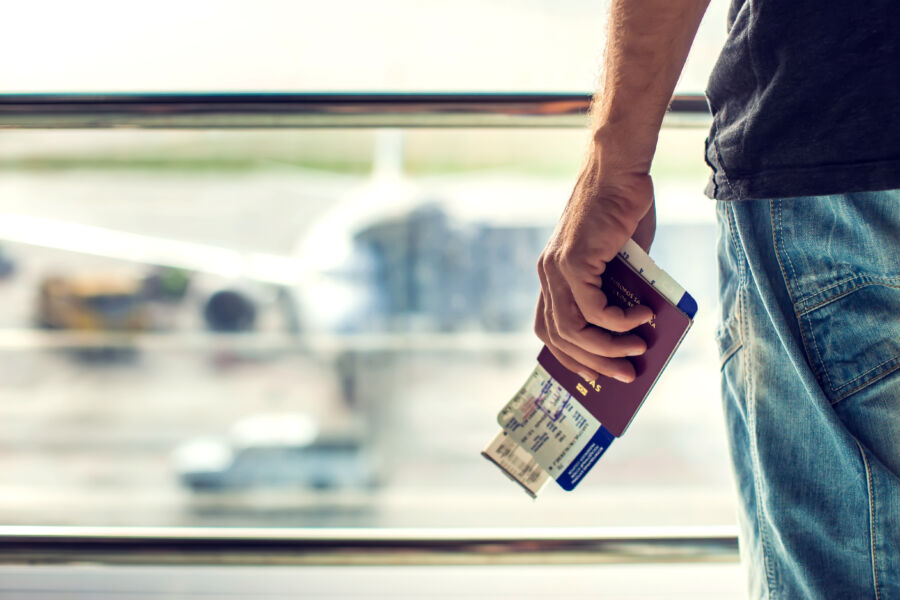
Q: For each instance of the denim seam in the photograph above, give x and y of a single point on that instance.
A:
(840, 295)
(830, 287)
(739, 254)
(820, 364)
(776, 212)
(761, 523)
(726, 356)
(861, 375)
(873, 518)
(770, 568)
(860, 276)
(868, 382)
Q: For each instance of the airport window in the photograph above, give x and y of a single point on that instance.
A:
(308, 324)
(307, 328)
(268, 276)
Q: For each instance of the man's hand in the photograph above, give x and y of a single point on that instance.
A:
(573, 317)
(647, 44)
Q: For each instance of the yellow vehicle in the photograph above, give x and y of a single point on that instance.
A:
(94, 302)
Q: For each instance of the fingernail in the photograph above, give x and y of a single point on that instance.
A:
(584, 376)
(623, 378)
(636, 352)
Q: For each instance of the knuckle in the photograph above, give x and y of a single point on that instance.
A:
(552, 338)
(567, 332)
(545, 261)
(556, 339)
(573, 262)
(593, 316)
(540, 329)
(554, 260)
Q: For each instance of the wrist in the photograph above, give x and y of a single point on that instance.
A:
(623, 147)
(626, 193)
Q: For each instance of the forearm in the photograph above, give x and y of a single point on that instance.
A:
(613, 198)
(647, 45)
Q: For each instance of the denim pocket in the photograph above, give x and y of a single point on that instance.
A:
(853, 337)
(841, 263)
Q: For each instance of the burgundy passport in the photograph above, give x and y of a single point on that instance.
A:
(612, 402)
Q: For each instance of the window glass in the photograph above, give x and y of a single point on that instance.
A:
(316, 328)
(283, 45)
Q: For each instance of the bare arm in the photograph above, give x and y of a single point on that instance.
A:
(613, 199)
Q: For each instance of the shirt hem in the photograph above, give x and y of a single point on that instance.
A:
(823, 180)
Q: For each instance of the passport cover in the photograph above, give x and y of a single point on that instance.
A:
(612, 402)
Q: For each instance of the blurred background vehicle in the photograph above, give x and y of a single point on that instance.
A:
(93, 302)
(277, 450)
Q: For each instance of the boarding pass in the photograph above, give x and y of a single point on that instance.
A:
(546, 432)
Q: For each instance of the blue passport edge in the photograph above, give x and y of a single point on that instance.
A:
(586, 459)
(687, 305)
(600, 442)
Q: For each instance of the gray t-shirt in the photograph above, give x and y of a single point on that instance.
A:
(806, 100)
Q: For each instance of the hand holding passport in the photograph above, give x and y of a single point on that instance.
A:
(559, 425)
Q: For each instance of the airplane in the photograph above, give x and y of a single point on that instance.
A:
(332, 281)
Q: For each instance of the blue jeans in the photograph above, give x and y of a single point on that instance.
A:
(809, 339)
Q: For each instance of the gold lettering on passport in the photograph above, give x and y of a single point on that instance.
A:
(625, 295)
(630, 300)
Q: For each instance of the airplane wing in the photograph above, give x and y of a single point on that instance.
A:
(151, 250)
